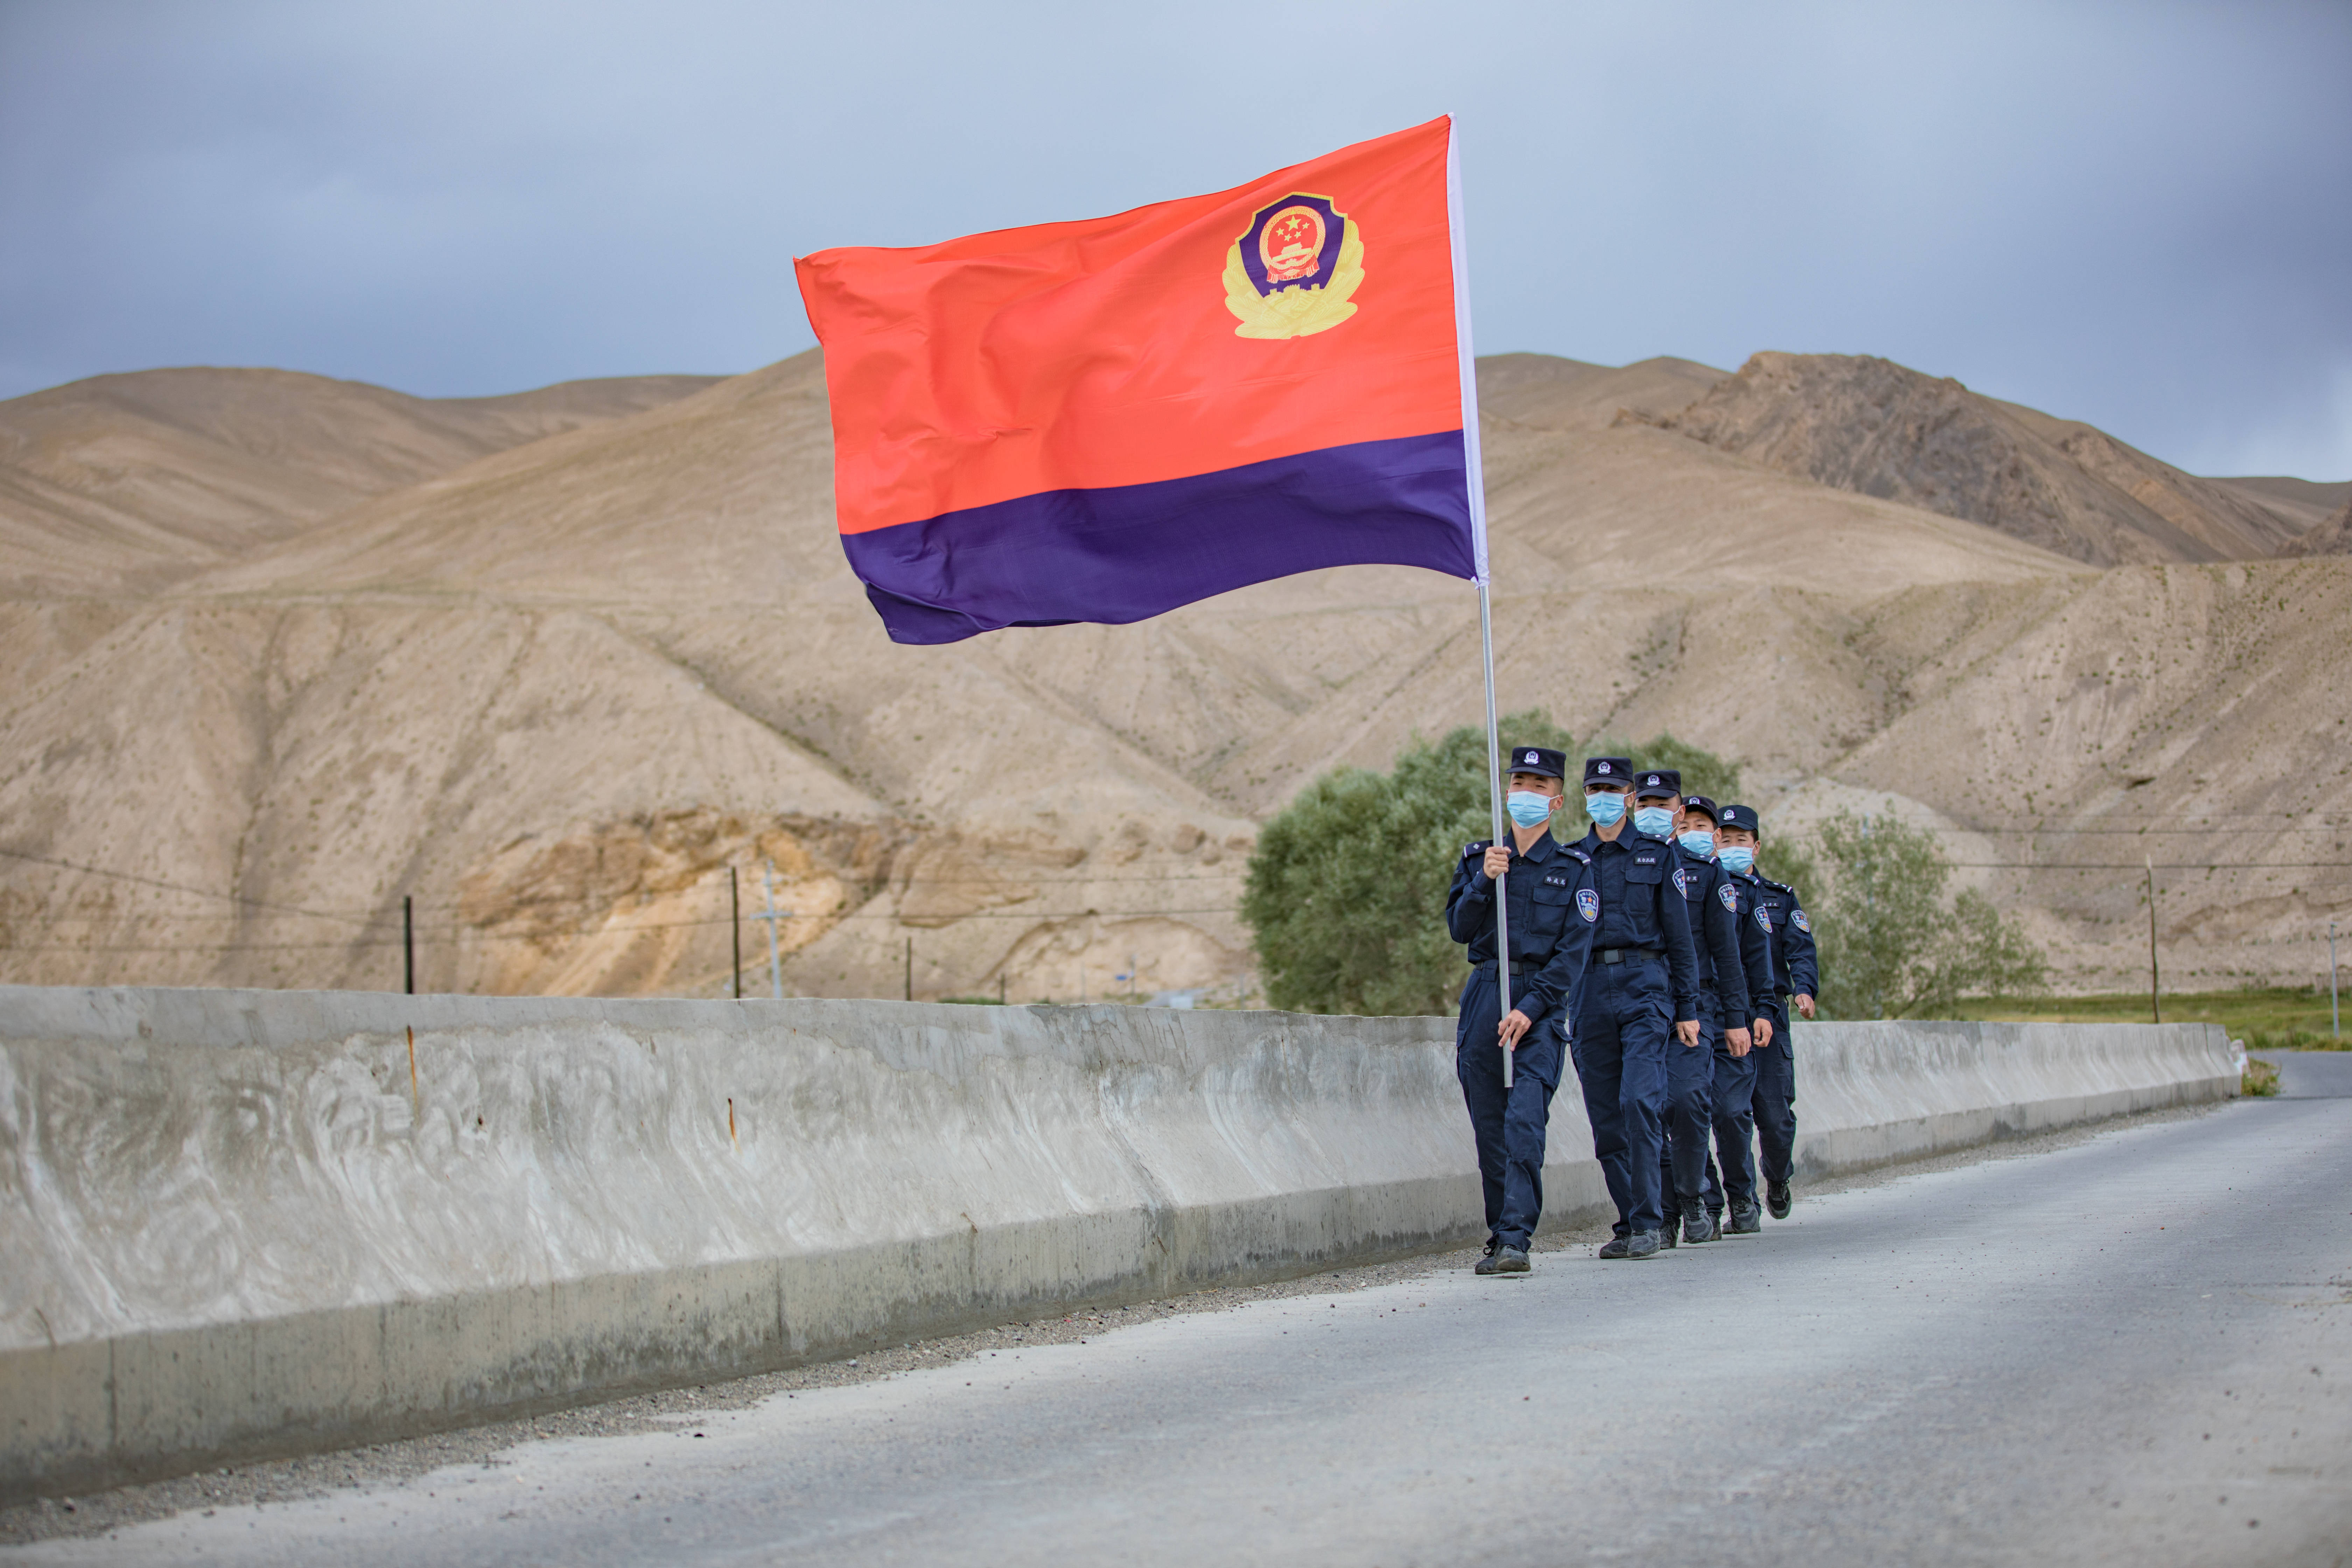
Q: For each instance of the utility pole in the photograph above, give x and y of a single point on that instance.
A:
(408, 944)
(2335, 1016)
(2155, 991)
(775, 956)
(910, 969)
(735, 925)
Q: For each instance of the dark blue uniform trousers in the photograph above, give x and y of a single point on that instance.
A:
(1735, 1131)
(1508, 1124)
(1775, 1100)
(1690, 1115)
(1620, 1048)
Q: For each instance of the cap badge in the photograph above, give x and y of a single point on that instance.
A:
(1602, 769)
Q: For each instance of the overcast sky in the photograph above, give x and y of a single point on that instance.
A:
(2139, 215)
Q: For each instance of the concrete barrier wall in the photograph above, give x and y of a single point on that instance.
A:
(238, 1223)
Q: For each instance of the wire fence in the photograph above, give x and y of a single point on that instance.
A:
(386, 926)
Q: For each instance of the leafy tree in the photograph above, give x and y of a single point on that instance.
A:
(1347, 890)
(1892, 944)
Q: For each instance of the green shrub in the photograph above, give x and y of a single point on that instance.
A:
(1893, 945)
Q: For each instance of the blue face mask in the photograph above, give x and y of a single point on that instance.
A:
(1699, 841)
(1741, 860)
(1654, 820)
(1527, 807)
(1605, 810)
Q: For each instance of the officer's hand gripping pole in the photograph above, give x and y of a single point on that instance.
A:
(1495, 803)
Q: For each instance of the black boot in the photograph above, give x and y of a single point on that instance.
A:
(1747, 1219)
(1697, 1225)
(1776, 1198)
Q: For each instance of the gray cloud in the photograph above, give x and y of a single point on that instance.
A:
(2132, 214)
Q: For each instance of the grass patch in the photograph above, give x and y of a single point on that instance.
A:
(2260, 1078)
(2276, 1018)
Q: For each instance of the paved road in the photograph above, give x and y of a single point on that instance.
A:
(2135, 1350)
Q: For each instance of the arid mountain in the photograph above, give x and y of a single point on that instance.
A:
(557, 693)
(2299, 503)
(132, 480)
(2331, 536)
(1872, 426)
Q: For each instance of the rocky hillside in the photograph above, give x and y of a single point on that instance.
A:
(1874, 428)
(2331, 536)
(556, 692)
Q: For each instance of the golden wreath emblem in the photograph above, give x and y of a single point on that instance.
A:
(1293, 270)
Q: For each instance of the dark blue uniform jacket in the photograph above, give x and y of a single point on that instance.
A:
(1641, 907)
(1714, 911)
(1755, 942)
(1554, 911)
(1796, 965)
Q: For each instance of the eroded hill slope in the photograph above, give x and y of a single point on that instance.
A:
(555, 694)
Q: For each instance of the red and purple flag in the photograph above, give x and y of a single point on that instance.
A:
(1102, 420)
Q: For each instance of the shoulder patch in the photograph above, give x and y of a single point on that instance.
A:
(1764, 917)
(1587, 904)
(1729, 895)
(1682, 881)
(1797, 918)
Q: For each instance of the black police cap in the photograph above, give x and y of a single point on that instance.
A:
(1540, 760)
(1701, 805)
(1660, 782)
(1739, 817)
(1608, 771)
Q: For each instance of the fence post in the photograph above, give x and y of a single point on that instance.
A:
(408, 944)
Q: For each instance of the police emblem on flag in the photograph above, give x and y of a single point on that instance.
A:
(1797, 918)
(1293, 271)
(1730, 899)
(1587, 904)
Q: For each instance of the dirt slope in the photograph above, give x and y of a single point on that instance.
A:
(1873, 426)
(556, 692)
(128, 481)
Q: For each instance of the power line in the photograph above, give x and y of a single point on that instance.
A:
(2142, 865)
(465, 934)
(183, 887)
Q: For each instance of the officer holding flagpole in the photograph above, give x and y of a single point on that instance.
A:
(1553, 912)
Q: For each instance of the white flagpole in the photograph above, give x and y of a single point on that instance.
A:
(1474, 470)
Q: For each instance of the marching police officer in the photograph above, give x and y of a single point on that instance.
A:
(1554, 910)
(1640, 1001)
(1733, 829)
(1795, 976)
(1689, 1124)
(1725, 1015)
